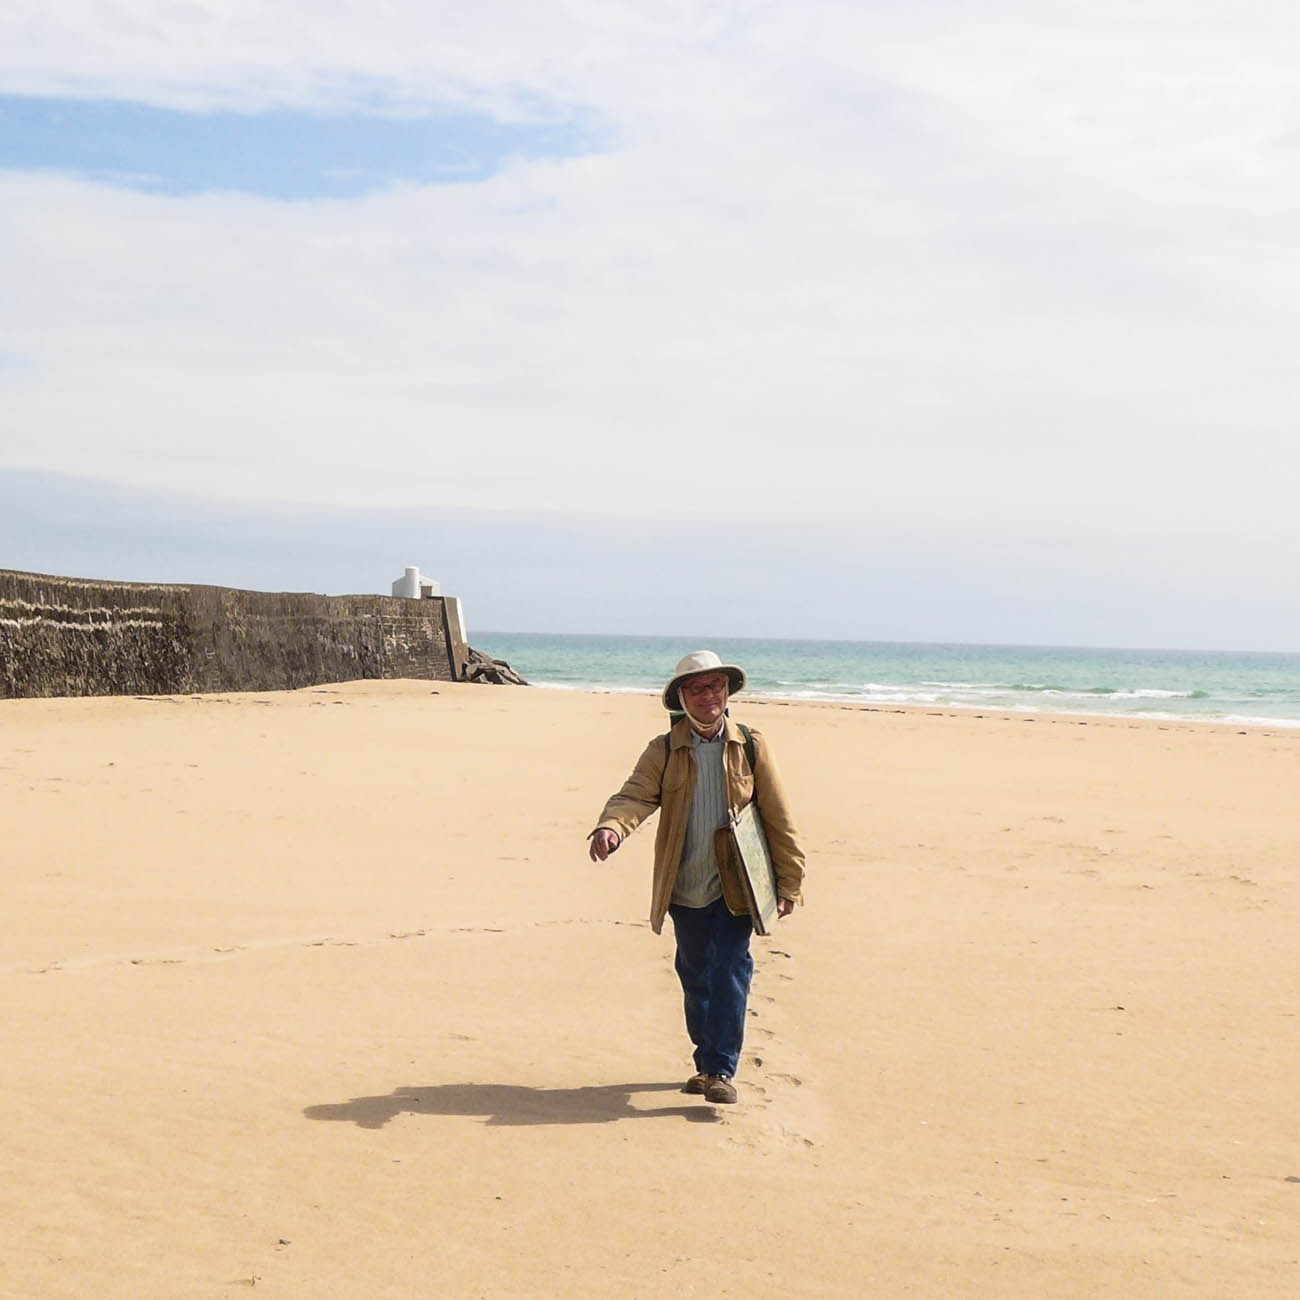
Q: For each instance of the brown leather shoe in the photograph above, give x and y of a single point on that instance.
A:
(721, 1090)
(697, 1083)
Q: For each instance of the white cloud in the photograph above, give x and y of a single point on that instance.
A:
(921, 267)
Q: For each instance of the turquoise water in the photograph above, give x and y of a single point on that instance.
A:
(1254, 689)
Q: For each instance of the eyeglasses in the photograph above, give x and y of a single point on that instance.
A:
(715, 686)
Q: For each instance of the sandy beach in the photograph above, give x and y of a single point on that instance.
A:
(318, 993)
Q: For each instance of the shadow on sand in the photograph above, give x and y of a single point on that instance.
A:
(501, 1103)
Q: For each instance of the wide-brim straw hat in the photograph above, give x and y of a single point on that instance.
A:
(695, 664)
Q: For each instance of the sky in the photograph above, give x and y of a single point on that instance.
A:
(875, 320)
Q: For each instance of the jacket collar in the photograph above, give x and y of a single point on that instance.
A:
(680, 735)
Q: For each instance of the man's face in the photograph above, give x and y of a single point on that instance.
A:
(705, 696)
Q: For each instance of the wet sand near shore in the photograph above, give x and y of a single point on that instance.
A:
(318, 993)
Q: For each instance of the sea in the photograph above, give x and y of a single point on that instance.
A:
(1252, 689)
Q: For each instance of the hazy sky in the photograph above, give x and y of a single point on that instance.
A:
(883, 320)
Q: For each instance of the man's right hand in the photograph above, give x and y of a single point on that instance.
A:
(603, 843)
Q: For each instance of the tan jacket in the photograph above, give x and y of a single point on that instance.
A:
(667, 781)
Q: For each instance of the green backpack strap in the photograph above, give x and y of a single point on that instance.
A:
(751, 750)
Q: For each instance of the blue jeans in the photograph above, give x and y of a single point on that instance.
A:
(715, 966)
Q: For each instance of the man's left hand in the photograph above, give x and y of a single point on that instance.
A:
(784, 906)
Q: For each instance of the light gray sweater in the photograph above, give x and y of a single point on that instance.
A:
(697, 882)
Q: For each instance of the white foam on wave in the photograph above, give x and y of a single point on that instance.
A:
(970, 686)
(1151, 693)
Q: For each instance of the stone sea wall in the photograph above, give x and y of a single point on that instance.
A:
(71, 636)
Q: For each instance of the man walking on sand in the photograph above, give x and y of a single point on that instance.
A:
(697, 775)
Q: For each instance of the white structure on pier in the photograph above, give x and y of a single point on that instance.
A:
(415, 587)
